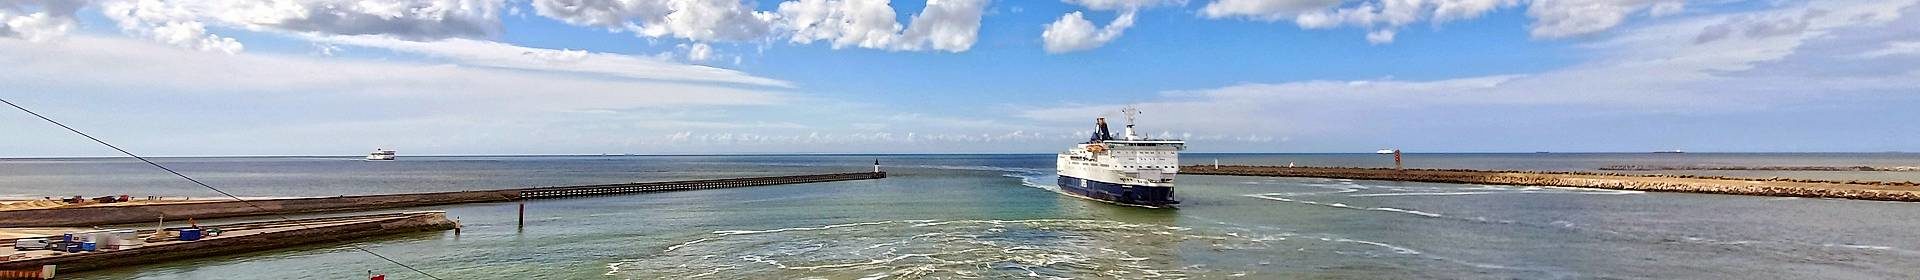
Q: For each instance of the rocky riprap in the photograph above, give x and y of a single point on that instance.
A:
(1863, 190)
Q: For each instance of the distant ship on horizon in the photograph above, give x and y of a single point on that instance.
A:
(381, 154)
(1670, 152)
(1132, 170)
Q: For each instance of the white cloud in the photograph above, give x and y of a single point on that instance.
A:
(695, 20)
(37, 20)
(407, 19)
(1120, 5)
(1667, 8)
(495, 54)
(186, 23)
(72, 64)
(1902, 48)
(1645, 72)
(189, 99)
(947, 25)
(1074, 33)
(1757, 26)
(699, 52)
(1566, 18)
(1266, 10)
(167, 23)
(1383, 18)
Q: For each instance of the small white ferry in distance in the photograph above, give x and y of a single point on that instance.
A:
(1132, 170)
(381, 154)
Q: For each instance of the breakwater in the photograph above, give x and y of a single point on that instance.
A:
(243, 239)
(1756, 168)
(610, 189)
(107, 215)
(1863, 190)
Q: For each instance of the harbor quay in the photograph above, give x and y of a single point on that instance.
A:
(110, 214)
(80, 238)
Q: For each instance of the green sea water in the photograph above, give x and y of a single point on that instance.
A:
(995, 217)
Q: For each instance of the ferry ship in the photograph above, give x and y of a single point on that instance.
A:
(381, 154)
(1132, 170)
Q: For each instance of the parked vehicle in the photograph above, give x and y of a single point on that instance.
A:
(25, 244)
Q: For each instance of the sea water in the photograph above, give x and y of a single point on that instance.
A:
(996, 217)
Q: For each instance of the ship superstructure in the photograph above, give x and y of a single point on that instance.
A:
(1131, 170)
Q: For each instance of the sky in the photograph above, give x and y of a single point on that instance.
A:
(494, 77)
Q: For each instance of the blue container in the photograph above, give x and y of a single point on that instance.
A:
(66, 237)
(73, 248)
(89, 246)
(189, 234)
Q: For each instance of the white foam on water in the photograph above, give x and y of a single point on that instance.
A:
(740, 232)
(1269, 196)
(913, 249)
(1406, 211)
(1396, 249)
(1425, 194)
(1862, 247)
(677, 246)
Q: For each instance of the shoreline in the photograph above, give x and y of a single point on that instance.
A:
(1780, 187)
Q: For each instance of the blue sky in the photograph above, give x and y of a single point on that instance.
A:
(338, 77)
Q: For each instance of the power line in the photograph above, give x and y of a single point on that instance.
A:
(210, 187)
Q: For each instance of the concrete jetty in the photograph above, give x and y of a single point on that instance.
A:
(107, 215)
(238, 238)
(1862, 190)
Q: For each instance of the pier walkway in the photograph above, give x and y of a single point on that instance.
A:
(109, 215)
(608, 189)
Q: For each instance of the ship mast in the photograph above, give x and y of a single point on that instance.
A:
(1130, 111)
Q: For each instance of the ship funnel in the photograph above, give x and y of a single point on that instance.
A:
(1101, 135)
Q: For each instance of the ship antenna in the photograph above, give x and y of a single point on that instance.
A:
(1130, 112)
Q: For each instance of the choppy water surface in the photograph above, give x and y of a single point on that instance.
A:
(992, 217)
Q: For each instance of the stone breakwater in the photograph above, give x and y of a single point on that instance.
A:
(1757, 168)
(1862, 190)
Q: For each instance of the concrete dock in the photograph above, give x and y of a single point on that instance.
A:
(1862, 190)
(235, 238)
(108, 215)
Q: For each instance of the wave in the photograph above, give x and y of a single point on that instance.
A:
(1271, 196)
(1040, 248)
(1396, 249)
(1494, 189)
